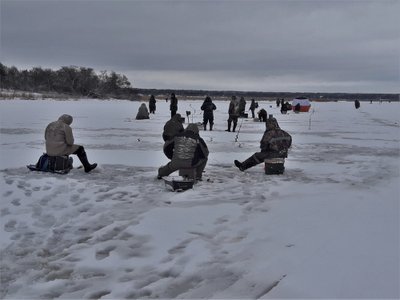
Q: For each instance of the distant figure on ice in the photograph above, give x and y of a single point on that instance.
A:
(253, 106)
(274, 144)
(173, 107)
(262, 115)
(152, 104)
(60, 141)
(297, 108)
(142, 113)
(186, 150)
(357, 104)
(242, 107)
(233, 113)
(278, 102)
(172, 127)
(208, 116)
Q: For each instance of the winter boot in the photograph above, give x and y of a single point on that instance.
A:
(211, 126)
(248, 163)
(205, 126)
(84, 160)
(229, 126)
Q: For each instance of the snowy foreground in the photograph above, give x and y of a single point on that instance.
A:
(327, 228)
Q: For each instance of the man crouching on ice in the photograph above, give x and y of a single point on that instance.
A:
(274, 144)
(186, 150)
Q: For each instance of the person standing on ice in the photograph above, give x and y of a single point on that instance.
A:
(253, 106)
(242, 107)
(233, 113)
(60, 141)
(208, 116)
(173, 107)
(274, 144)
(152, 104)
(186, 150)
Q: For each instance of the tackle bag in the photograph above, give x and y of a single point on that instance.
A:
(55, 164)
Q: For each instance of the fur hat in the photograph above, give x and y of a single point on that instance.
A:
(272, 123)
(193, 128)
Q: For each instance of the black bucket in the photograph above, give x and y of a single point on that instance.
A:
(274, 166)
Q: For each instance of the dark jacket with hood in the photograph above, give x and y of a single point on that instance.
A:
(208, 107)
(275, 139)
(172, 127)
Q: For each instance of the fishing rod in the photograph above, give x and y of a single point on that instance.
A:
(240, 126)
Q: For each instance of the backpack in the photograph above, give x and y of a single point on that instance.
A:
(43, 163)
(54, 164)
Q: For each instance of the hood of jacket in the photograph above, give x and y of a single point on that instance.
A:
(67, 119)
(193, 128)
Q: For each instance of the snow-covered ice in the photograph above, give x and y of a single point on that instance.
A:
(327, 228)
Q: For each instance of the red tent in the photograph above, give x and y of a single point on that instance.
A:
(304, 104)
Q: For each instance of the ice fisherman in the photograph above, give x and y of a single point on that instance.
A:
(262, 115)
(274, 144)
(186, 150)
(172, 127)
(60, 141)
(152, 104)
(242, 106)
(173, 106)
(253, 106)
(233, 113)
(142, 113)
(208, 116)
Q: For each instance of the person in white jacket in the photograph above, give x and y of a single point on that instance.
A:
(60, 141)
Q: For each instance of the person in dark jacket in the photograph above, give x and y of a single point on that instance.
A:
(274, 144)
(172, 127)
(152, 104)
(173, 107)
(242, 107)
(284, 108)
(208, 116)
(357, 104)
(262, 115)
(60, 141)
(186, 150)
(233, 113)
(253, 106)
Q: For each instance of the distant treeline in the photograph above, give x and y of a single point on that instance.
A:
(72, 80)
(273, 95)
(81, 81)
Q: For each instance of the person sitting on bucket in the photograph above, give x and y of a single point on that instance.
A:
(186, 150)
(60, 141)
(274, 144)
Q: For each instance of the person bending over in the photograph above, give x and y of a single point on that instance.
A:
(186, 150)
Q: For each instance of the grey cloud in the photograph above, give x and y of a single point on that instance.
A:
(330, 40)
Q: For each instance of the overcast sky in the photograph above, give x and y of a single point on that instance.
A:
(294, 46)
